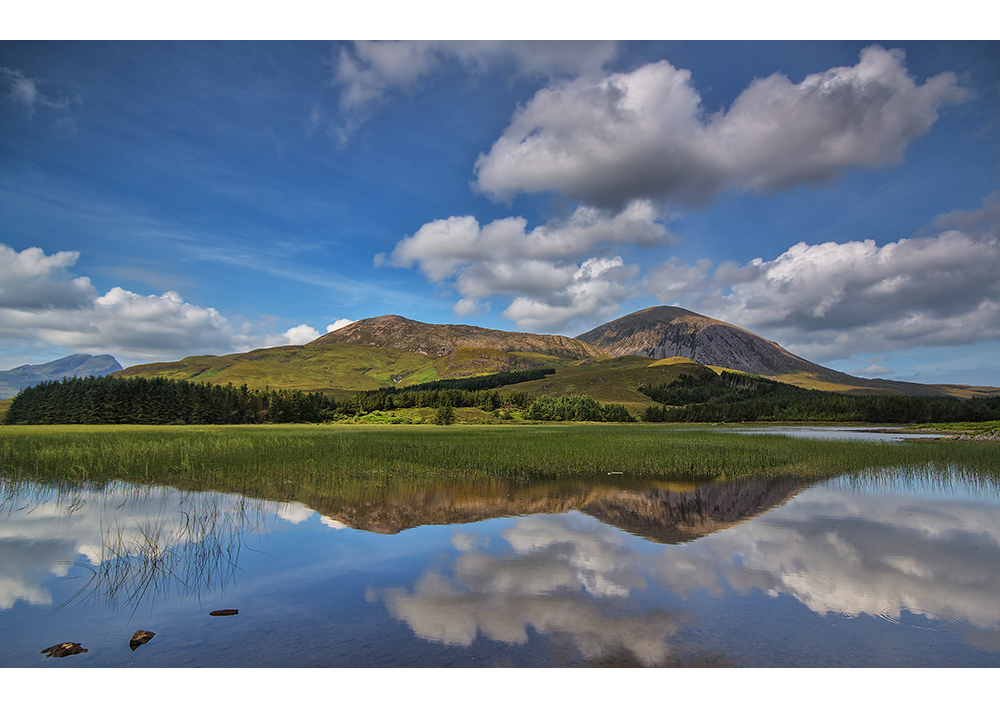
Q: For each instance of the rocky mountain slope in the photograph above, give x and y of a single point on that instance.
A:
(393, 331)
(72, 366)
(665, 332)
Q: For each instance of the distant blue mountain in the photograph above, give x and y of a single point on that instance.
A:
(72, 366)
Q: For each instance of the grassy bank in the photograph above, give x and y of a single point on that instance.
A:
(261, 459)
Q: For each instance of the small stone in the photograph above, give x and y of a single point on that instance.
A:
(223, 613)
(139, 638)
(65, 649)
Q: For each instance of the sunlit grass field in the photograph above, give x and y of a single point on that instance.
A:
(260, 458)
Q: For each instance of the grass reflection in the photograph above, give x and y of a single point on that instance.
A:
(149, 542)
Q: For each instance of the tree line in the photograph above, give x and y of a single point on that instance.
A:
(472, 392)
(733, 397)
(159, 401)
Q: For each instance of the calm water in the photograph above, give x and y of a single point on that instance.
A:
(819, 432)
(836, 573)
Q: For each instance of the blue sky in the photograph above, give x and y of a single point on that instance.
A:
(164, 199)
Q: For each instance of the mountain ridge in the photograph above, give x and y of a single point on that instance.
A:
(646, 347)
(396, 332)
(72, 366)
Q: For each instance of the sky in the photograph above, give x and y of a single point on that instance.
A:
(161, 199)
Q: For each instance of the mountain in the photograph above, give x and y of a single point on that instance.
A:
(72, 366)
(665, 332)
(376, 352)
(395, 332)
(612, 363)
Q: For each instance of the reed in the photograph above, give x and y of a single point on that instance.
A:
(264, 460)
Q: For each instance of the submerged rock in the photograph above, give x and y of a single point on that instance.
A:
(139, 638)
(65, 649)
(223, 613)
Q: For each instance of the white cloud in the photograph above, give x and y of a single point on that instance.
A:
(595, 291)
(300, 334)
(34, 281)
(41, 300)
(338, 324)
(367, 72)
(645, 134)
(546, 269)
(834, 300)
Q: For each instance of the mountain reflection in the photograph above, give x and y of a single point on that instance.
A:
(659, 511)
(833, 549)
(603, 567)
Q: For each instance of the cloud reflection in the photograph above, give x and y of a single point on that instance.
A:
(561, 578)
(833, 549)
(138, 541)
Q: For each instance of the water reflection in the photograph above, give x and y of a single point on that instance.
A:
(666, 512)
(837, 550)
(656, 573)
(834, 549)
(548, 580)
(131, 543)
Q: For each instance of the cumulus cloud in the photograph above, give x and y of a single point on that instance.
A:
(368, 72)
(833, 300)
(301, 334)
(545, 269)
(41, 300)
(31, 280)
(343, 322)
(646, 135)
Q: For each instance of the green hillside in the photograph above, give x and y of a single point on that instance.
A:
(334, 370)
(617, 380)
(339, 369)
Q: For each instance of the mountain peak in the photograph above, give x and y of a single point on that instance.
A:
(72, 366)
(395, 332)
(665, 331)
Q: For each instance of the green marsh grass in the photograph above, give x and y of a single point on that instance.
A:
(265, 459)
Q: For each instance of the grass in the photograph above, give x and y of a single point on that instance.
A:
(264, 460)
(611, 381)
(968, 428)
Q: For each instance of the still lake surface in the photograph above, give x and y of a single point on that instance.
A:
(878, 570)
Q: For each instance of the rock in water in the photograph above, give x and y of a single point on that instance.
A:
(139, 638)
(223, 613)
(65, 649)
